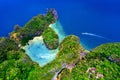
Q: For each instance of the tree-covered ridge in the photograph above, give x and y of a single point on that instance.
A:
(110, 51)
(71, 48)
(14, 63)
(32, 28)
(50, 38)
(97, 64)
(6, 45)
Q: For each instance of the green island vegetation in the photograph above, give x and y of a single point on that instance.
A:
(32, 28)
(50, 38)
(48, 71)
(14, 63)
(97, 64)
(71, 48)
(72, 62)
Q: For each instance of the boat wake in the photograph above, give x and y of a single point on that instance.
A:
(94, 35)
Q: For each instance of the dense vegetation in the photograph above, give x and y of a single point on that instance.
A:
(32, 28)
(21, 67)
(110, 50)
(50, 38)
(14, 63)
(71, 48)
(48, 71)
(98, 59)
(102, 63)
(6, 45)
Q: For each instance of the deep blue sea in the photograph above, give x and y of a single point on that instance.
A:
(98, 17)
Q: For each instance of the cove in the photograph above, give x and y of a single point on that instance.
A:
(37, 50)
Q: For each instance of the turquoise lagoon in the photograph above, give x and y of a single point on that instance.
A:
(37, 50)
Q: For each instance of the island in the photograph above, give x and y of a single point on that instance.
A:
(72, 60)
(50, 38)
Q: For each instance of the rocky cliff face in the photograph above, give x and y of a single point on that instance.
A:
(54, 12)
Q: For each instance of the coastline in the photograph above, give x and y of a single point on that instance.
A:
(48, 55)
(57, 27)
(38, 52)
(38, 41)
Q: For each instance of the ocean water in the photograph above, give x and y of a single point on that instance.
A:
(99, 17)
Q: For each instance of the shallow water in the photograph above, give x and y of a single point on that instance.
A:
(37, 50)
(58, 28)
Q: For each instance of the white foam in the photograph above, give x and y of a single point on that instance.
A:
(91, 34)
